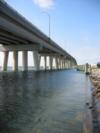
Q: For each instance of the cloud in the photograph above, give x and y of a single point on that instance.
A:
(45, 4)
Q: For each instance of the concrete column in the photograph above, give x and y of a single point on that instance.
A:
(57, 63)
(64, 64)
(60, 63)
(36, 60)
(68, 64)
(71, 64)
(39, 60)
(15, 58)
(25, 61)
(51, 61)
(5, 63)
(45, 62)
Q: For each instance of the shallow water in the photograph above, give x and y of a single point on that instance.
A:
(42, 102)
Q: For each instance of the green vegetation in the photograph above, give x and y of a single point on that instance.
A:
(98, 65)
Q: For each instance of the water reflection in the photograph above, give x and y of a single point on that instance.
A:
(41, 102)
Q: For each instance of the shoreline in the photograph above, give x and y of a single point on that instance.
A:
(95, 109)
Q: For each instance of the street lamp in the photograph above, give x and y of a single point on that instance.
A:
(49, 18)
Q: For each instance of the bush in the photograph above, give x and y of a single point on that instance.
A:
(98, 64)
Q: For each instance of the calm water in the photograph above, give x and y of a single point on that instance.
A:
(42, 102)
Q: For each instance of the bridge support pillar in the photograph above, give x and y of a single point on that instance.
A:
(15, 58)
(39, 58)
(5, 63)
(36, 58)
(69, 64)
(60, 63)
(45, 62)
(66, 64)
(51, 61)
(57, 63)
(25, 62)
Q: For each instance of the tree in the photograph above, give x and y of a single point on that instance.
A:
(98, 64)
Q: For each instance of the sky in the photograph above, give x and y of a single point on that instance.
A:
(75, 24)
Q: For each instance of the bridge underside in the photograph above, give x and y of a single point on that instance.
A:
(8, 39)
(48, 56)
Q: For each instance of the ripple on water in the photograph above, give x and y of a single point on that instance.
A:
(42, 102)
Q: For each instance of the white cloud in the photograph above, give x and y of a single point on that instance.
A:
(46, 4)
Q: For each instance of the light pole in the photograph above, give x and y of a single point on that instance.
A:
(49, 28)
(49, 18)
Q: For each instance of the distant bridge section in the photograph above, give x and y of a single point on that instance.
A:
(17, 34)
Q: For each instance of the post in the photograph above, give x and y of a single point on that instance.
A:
(25, 62)
(15, 58)
(5, 63)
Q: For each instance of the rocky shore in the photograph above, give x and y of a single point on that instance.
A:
(95, 79)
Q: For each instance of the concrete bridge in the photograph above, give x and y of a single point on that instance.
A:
(17, 34)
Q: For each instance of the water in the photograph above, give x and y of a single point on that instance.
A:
(42, 102)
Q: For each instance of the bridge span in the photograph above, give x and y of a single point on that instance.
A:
(17, 34)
